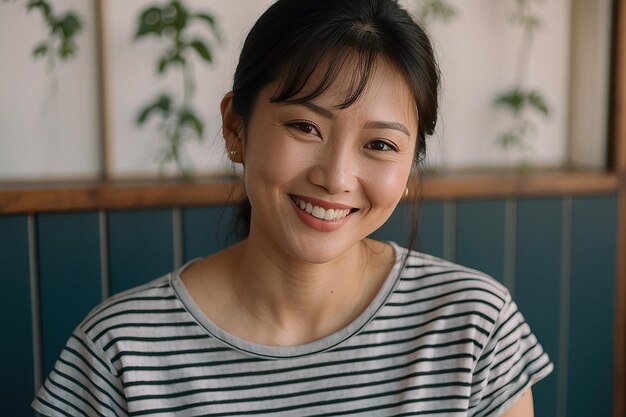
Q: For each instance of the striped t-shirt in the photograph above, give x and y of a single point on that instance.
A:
(438, 340)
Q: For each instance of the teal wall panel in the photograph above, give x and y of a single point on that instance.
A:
(398, 227)
(206, 230)
(592, 307)
(480, 236)
(431, 229)
(16, 352)
(69, 276)
(538, 285)
(140, 247)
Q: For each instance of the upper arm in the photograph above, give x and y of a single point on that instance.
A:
(523, 407)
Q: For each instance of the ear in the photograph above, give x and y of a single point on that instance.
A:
(232, 129)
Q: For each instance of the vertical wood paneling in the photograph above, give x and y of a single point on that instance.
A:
(429, 237)
(398, 226)
(538, 284)
(206, 230)
(592, 295)
(480, 236)
(140, 247)
(431, 229)
(16, 352)
(69, 276)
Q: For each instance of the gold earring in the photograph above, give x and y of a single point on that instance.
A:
(406, 192)
(232, 154)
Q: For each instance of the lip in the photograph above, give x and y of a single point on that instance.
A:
(319, 224)
(323, 204)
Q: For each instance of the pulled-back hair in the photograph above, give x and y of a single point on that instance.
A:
(293, 38)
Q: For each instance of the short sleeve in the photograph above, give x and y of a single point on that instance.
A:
(83, 382)
(511, 361)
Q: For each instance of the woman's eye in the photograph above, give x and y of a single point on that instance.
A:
(304, 127)
(381, 145)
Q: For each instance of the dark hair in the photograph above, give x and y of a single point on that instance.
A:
(292, 38)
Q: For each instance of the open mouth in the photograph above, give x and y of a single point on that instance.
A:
(320, 212)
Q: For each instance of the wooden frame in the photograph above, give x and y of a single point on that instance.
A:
(39, 197)
(619, 164)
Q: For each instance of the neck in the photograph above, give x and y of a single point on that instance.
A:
(297, 302)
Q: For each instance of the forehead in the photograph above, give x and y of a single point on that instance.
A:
(343, 81)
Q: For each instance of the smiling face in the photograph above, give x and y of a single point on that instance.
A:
(321, 179)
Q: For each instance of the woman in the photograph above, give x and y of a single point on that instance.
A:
(331, 104)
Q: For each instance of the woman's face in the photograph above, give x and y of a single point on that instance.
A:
(321, 179)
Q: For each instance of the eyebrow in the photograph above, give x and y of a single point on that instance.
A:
(369, 125)
(388, 125)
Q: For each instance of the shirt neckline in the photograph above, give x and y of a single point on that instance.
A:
(283, 352)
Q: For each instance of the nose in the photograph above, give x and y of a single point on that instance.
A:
(335, 170)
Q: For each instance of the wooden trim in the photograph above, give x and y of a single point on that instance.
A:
(618, 140)
(113, 195)
(116, 195)
(512, 185)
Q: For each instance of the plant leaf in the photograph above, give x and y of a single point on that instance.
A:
(40, 50)
(515, 100)
(163, 64)
(189, 119)
(163, 103)
(180, 17)
(536, 100)
(69, 25)
(67, 49)
(508, 139)
(202, 50)
(150, 22)
(211, 23)
(34, 4)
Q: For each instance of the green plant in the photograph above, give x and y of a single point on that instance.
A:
(431, 10)
(179, 122)
(63, 30)
(520, 101)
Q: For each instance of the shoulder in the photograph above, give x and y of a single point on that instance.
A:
(423, 272)
(150, 305)
(443, 291)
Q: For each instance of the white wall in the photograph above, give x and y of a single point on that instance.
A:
(477, 52)
(44, 134)
(134, 150)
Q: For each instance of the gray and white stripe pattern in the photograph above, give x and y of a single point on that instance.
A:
(438, 340)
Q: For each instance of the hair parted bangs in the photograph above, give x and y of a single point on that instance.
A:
(295, 38)
(353, 50)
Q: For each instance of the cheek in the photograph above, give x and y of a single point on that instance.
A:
(386, 186)
(273, 159)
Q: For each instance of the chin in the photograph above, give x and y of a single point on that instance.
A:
(319, 252)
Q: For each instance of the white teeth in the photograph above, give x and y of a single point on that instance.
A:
(319, 212)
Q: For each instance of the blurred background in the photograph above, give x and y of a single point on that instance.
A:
(113, 170)
(75, 116)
